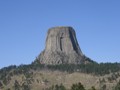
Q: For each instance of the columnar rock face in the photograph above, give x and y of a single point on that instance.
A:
(61, 47)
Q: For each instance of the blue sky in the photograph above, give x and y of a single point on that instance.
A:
(24, 25)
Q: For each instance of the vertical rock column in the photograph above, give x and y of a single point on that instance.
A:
(61, 47)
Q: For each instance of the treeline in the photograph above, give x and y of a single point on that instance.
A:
(79, 86)
(91, 68)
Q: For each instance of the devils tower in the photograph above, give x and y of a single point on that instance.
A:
(61, 47)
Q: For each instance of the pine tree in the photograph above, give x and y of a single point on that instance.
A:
(78, 86)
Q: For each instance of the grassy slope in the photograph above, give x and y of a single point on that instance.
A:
(44, 78)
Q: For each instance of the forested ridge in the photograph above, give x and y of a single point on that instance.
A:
(97, 69)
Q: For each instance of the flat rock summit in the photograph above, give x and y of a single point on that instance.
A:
(61, 47)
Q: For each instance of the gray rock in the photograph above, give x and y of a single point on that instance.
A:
(61, 47)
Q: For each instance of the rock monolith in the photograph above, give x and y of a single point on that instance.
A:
(61, 47)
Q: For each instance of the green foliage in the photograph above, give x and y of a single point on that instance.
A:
(103, 87)
(4, 71)
(57, 87)
(92, 88)
(1, 85)
(25, 86)
(91, 68)
(8, 89)
(117, 87)
(16, 85)
(78, 86)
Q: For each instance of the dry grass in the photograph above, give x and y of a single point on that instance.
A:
(43, 79)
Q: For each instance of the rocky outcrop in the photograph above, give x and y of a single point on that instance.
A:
(61, 47)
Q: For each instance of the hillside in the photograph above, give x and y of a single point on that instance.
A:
(39, 77)
(61, 66)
